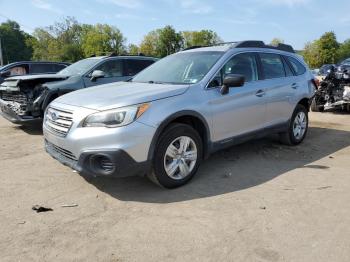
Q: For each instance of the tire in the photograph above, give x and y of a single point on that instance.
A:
(291, 136)
(170, 161)
(314, 106)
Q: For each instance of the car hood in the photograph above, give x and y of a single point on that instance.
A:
(120, 94)
(33, 77)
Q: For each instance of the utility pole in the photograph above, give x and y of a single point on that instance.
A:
(1, 58)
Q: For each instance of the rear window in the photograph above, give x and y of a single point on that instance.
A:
(297, 66)
(272, 66)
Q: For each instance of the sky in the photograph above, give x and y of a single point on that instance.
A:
(294, 21)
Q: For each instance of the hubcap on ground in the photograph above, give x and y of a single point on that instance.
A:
(180, 157)
(299, 125)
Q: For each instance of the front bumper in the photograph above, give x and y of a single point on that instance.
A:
(113, 162)
(11, 115)
(122, 151)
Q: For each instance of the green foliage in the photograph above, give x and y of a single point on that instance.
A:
(71, 41)
(344, 50)
(16, 44)
(165, 41)
(325, 50)
(311, 54)
(102, 39)
(200, 38)
(161, 42)
(59, 42)
(133, 49)
(328, 48)
(276, 41)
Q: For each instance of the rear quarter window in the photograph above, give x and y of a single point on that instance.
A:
(272, 65)
(299, 69)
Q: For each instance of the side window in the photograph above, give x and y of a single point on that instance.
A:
(41, 68)
(58, 67)
(272, 66)
(111, 68)
(18, 70)
(242, 64)
(287, 68)
(134, 66)
(297, 66)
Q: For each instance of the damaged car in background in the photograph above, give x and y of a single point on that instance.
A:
(23, 99)
(333, 92)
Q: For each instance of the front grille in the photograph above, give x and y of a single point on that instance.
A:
(60, 152)
(58, 121)
(17, 97)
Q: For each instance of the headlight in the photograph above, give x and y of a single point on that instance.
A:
(115, 117)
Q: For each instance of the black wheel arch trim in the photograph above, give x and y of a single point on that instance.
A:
(207, 145)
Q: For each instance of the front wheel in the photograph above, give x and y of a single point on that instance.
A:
(298, 127)
(177, 156)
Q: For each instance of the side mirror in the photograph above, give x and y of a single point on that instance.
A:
(5, 74)
(97, 74)
(232, 80)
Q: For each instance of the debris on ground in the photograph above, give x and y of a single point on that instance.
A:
(263, 208)
(69, 205)
(40, 209)
(323, 187)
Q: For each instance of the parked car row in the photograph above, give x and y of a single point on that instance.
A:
(169, 117)
(25, 98)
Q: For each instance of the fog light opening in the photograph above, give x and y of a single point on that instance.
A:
(102, 164)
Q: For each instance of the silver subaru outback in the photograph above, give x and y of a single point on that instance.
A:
(178, 111)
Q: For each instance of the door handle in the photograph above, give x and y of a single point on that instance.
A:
(294, 85)
(260, 93)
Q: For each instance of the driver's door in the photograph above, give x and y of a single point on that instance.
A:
(243, 109)
(113, 72)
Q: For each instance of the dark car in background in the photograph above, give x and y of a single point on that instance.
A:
(324, 70)
(23, 99)
(344, 66)
(30, 67)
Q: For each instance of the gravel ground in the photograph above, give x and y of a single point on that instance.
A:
(260, 201)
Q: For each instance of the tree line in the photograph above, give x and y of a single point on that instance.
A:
(70, 41)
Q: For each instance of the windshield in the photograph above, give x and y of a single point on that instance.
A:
(181, 68)
(79, 67)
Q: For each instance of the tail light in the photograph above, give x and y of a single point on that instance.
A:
(316, 82)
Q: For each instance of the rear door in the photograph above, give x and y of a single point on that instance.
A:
(279, 83)
(243, 109)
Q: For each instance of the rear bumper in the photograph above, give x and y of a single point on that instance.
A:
(11, 115)
(110, 162)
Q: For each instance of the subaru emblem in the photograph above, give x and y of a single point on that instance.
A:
(54, 116)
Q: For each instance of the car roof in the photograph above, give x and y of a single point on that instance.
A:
(124, 57)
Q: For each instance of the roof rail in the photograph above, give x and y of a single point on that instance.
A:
(261, 44)
(193, 47)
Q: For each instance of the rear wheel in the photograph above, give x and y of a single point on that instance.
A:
(315, 107)
(177, 156)
(298, 127)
